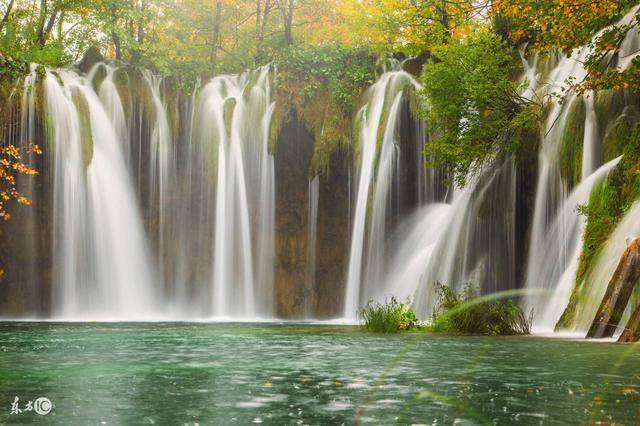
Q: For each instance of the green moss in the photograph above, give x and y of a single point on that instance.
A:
(608, 105)
(571, 143)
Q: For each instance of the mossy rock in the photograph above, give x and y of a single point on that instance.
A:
(91, 57)
(86, 134)
(608, 105)
(228, 110)
(571, 143)
(618, 131)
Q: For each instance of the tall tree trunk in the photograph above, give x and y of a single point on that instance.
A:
(117, 46)
(42, 17)
(618, 293)
(288, 22)
(444, 20)
(258, 18)
(7, 13)
(60, 25)
(143, 7)
(215, 36)
(49, 27)
(261, 24)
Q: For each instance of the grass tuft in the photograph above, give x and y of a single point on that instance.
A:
(388, 317)
(466, 313)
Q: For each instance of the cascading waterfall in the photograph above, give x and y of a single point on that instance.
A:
(553, 274)
(165, 207)
(232, 123)
(101, 260)
(208, 248)
(476, 242)
(376, 168)
(557, 228)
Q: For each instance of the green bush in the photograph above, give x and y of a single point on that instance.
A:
(388, 317)
(466, 313)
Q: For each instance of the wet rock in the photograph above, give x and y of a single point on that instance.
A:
(292, 163)
(91, 57)
(631, 332)
(618, 293)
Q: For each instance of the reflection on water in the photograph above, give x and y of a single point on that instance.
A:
(174, 373)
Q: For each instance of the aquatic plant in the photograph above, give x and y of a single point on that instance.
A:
(466, 313)
(388, 317)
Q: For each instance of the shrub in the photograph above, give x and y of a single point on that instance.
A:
(467, 313)
(388, 317)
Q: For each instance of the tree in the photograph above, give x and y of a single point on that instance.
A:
(473, 104)
(566, 25)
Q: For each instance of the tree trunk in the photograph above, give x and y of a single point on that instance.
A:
(42, 16)
(116, 44)
(216, 36)
(258, 17)
(49, 27)
(618, 293)
(287, 17)
(631, 332)
(60, 26)
(143, 7)
(7, 13)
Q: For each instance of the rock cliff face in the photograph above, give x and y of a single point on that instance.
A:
(292, 164)
(332, 250)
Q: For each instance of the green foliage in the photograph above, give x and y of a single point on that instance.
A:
(466, 313)
(388, 317)
(472, 103)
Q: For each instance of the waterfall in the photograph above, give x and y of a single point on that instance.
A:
(376, 169)
(101, 261)
(475, 239)
(553, 274)
(596, 282)
(557, 228)
(208, 245)
(312, 225)
(233, 121)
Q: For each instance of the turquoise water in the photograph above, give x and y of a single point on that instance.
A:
(177, 373)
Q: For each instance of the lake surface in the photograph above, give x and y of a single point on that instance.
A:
(185, 373)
